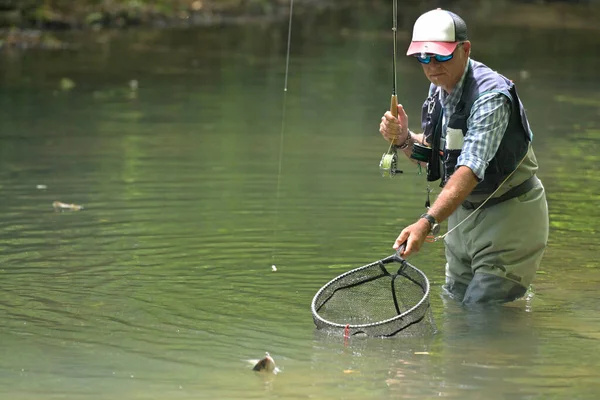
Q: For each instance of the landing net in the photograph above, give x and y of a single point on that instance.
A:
(373, 301)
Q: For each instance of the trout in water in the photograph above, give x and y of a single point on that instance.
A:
(267, 364)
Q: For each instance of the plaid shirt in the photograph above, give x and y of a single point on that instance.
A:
(486, 124)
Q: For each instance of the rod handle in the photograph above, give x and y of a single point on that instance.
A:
(394, 106)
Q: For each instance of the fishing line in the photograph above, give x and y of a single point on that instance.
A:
(280, 163)
(435, 239)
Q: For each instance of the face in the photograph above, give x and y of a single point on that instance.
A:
(447, 74)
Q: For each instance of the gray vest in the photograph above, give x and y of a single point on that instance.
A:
(514, 145)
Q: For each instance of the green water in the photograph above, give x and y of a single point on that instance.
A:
(200, 180)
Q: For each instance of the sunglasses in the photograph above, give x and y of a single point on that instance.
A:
(426, 58)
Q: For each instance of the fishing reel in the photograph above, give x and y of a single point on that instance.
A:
(420, 152)
(388, 166)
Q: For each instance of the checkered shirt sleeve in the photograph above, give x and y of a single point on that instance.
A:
(485, 128)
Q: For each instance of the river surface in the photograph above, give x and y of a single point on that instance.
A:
(198, 172)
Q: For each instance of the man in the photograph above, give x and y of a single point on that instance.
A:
(477, 141)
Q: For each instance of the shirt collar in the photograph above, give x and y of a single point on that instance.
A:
(450, 100)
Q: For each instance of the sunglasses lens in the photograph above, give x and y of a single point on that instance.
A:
(427, 59)
(424, 59)
(439, 58)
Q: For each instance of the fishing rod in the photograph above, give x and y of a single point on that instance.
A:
(388, 166)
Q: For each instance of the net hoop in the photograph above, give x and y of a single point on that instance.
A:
(320, 321)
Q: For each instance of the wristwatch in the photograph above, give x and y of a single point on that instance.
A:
(434, 227)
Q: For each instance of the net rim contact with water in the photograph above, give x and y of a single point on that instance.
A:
(412, 284)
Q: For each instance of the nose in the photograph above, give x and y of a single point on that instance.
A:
(433, 65)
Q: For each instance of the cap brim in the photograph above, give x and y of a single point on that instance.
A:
(441, 48)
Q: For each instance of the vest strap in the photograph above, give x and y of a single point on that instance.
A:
(517, 191)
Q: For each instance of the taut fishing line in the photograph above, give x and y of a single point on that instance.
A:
(280, 163)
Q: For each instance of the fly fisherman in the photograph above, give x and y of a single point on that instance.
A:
(477, 140)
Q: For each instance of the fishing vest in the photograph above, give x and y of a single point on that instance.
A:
(479, 80)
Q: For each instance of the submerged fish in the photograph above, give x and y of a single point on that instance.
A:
(267, 364)
(58, 206)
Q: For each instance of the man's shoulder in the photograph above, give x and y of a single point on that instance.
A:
(483, 79)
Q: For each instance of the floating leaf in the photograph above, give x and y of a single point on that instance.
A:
(66, 84)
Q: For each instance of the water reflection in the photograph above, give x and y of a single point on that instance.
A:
(162, 286)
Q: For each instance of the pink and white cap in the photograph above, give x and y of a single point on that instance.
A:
(438, 32)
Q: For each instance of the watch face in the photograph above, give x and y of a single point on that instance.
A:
(435, 229)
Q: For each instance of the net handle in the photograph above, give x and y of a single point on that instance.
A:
(394, 257)
(401, 250)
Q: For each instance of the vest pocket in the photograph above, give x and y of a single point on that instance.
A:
(454, 139)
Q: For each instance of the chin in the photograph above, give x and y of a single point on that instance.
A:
(438, 80)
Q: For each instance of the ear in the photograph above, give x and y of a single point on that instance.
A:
(467, 48)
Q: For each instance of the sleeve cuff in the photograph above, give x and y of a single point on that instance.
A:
(476, 165)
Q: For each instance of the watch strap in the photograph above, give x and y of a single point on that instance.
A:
(429, 218)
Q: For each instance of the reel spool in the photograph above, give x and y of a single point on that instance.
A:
(388, 166)
(420, 152)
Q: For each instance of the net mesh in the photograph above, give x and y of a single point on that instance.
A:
(376, 300)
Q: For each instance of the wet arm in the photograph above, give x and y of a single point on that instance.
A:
(485, 129)
(486, 126)
(457, 189)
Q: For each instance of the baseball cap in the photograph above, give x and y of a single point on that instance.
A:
(438, 32)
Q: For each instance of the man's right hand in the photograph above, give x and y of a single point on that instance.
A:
(395, 129)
